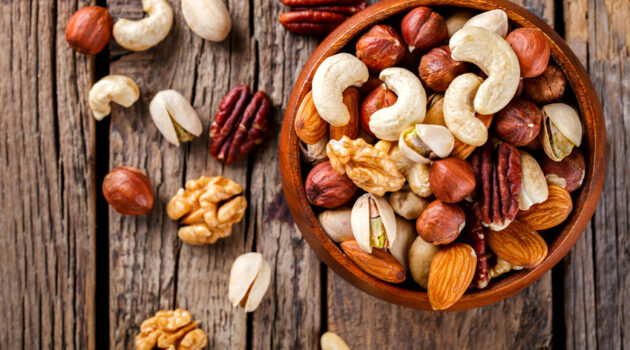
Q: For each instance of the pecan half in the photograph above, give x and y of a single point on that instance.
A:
(498, 173)
(240, 124)
(311, 22)
(474, 234)
(347, 10)
(310, 3)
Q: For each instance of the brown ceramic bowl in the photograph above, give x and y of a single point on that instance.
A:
(560, 240)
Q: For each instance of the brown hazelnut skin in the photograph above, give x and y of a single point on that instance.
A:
(440, 223)
(547, 87)
(380, 97)
(518, 123)
(88, 31)
(451, 180)
(128, 191)
(328, 189)
(423, 29)
(572, 169)
(381, 47)
(437, 69)
(532, 49)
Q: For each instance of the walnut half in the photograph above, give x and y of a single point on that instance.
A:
(173, 329)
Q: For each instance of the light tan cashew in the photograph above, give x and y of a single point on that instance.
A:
(456, 20)
(495, 57)
(533, 182)
(409, 109)
(249, 279)
(459, 114)
(145, 33)
(118, 88)
(207, 18)
(333, 76)
(494, 20)
(174, 117)
(331, 341)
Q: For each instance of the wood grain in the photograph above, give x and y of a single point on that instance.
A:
(47, 181)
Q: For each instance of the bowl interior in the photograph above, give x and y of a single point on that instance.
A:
(560, 239)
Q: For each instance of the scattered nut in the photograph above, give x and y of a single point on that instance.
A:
(562, 130)
(316, 153)
(381, 47)
(207, 18)
(351, 98)
(174, 117)
(423, 29)
(549, 213)
(437, 69)
(380, 97)
(495, 57)
(331, 341)
(571, 169)
(456, 20)
(459, 114)
(547, 87)
(407, 204)
(378, 264)
(533, 182)
(208, 208)
(373, 222)
(333, 76)
(409, 109)
(249, 279)
(327, 188)
(309, 126)
(494, 20)
(128, 191)
(519, 245)
(518, 123)
(532, 49)
(118, 88)
(421, 254)
(145, 33)
(368, 167)
(441, 223)
(88, 30)
(452, 270)
(311, 20)
(405, 235)
(167, 329)
(336, 223)
(426, 142)
(451, 180)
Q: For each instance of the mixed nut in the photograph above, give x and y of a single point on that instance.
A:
(489, 158)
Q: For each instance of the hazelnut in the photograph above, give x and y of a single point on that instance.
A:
(128, 191)
(518, 123)
(437, 68)
(572, 169)
(451, 180)
(423, 29)
(441, 223)
(380, 97)
(88, 31)
(547, 87)
(381, 47)
(532, 49)
(327, 188)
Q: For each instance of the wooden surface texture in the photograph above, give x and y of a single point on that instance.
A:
(77, 275)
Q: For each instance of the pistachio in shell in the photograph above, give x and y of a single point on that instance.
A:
(562, 130)
(405, 235)
(373, 222)
(336, 223)
(424, 142)
(421, 254)
(533, 182)
(249, 280)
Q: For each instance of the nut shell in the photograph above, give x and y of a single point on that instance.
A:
(423, 29)
(327, 188)
(518, 123)
(452, 180)
(532, 49)
(378, 264)
(128, 191)
(380, 97)
(549, 213)
(309, 126)
(441, 223)
(89, 29)
(381, 47)
(437, 69)
(519, 244)
(452, 270)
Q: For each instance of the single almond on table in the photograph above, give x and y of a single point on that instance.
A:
(379, 263)
(519, 244)
(549, 213)
(452, 270)
(309, 126)
(351, 98)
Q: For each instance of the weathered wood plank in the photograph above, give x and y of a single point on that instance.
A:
(47, 226)
(597, 283)
(520, 322)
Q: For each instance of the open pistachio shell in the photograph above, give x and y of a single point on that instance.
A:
(562, 130)
(336, 223)
(533, 182)
(432, 138)
(405, 235)
(360, 221)
(249, 280)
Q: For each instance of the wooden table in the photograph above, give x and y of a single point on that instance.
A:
(75, 274)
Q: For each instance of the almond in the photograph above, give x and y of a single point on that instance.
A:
(309, 126)
(351, 99)
(452, 270)
(519, 244)
(379, 263)
(549, 213)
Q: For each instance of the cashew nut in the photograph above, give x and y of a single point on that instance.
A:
(118, 88)
(207, 18)
(409, 109)
(495, 21)
(534, 188)
(334, 75)
(459, 115)
(496, 58)
(147, 32)
(174, 117)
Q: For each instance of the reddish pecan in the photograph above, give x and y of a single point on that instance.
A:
(240, 124)
(311, 22)
(311, 3)
(474, 234)
(498, 174)
(347, 10)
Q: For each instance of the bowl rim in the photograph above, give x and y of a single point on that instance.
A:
(594, 142)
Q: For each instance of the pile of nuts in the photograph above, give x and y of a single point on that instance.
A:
(477, 149)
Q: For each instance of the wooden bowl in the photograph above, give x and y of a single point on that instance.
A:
(560, 241)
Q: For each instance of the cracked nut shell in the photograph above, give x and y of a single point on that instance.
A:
(128, 191)
(327, 188)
